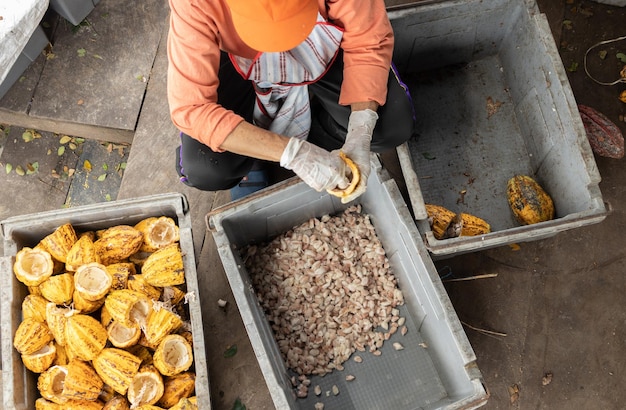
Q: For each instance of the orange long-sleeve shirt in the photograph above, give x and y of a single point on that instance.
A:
(199, 29)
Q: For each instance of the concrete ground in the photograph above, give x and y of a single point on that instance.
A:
(548, 331)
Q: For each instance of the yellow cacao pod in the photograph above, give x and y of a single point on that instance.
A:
(161, 322)
(172, 295)
(158, 232)
(56, 318)
(117, 367)
(177, 387)
(146, 387)
(473, 225)
(31, 335)
(440, 219)
(72, 404)
(41, 360)
(173, 355)
(118, 402)
(128, 306)
(117, 243)
(59, 242)
(119, 273)
(85, 336)
(92, 281)
(50, 384)
(123, 336)
(81, 382)
(185, 403)
(141, 352)
(33, 266)
(528, 200)
(81, 253)
(58, 288)
(164, 267)
(148, 407)
(138, 283)
(43, 404)
(85, 306)
(105, 317)
(60, 358)
(34, 290)
(34, 306)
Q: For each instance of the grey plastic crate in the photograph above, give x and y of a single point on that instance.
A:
(73, 11)
(19, 384)
(437, 368)
(37, 42)
(492, 100)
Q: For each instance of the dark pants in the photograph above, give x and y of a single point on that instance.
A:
(202, 168)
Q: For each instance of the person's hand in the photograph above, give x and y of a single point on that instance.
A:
(357, 147)
(320, 169)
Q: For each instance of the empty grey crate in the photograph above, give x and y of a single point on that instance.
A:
(492, 100)
(19, 384)
(437, 368)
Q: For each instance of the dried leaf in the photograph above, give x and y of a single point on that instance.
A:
(99, 57)
(110, 148)
(514, 393)
(428, 156)
(8, 168)
(27, 136)
(79, 140)
(32, 168)
(61, 150)
(49, 151)
(546, 379)
(19, 170)
(621, 57)
(71, 172)
(105, 167)
(81, 52)
(87, 165)
(602, 54)
(573, 67)
(102, 177)
(65, 139)
(72, 146)
(107, 197)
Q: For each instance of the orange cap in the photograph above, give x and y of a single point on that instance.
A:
(273, 25)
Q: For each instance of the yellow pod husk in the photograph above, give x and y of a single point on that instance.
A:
(31, 335)
(128, 306)
(41, 360)
(34, 306)
(164, 267)
(146, 387)
(440, 218)
(473, 225)
(72, 404)
(85, 306)
(173, 355)
(33, 266)
(141, 352)
(81, 382)
(143, 341)
(43, 404)
(186, 403)
(56, 318)
(117, 243)
(528, 200)
(177, 387)
(81, 253)
(138, 258)
(58, 289)
(117, 367)
(59, 242)
(161, 322)
(34, 290)
(107, 393)
(123, 336)
(105, 317)
(158, 232)
(118, 402)
(92, 281)
(354, 180)
(149, 407)
(84, 336)
(187, 335)
(119, 273)
(60, 358)
(50, 384)
(138, 283)
(172, 295)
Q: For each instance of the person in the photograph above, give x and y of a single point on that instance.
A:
(287, 81)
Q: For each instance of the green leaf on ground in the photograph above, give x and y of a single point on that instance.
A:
(81, 52)
(61, 150)
(238, 405)
(27, 136)
(602, 54)
(107, 197)
(32, 168)
(65, 139)
(105, 167)
(230, 351)
(428, 156)
(8, 168)
(102, 177)
(573, 67)
(621, 57)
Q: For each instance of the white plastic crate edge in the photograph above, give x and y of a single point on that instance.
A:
(176, 202)
(214, 220)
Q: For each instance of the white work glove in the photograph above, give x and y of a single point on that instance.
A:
(320, 169)
(357, 147)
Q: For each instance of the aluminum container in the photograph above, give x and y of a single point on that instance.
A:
(20, 384)
(492, 100)
(437, 368)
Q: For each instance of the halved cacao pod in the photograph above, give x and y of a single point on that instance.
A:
(81, 253)
(60, 358)
(174, 355)
(58, 289)
(41, 360)
(50, 384)
(440, 219)
(123, 336)
(177, 387)
(138, 283)
(85, 306)
(92, 281)
(164, 267)
(161, 322)
(31, 335)
(186, 404)
(117, 367)
(85, 336)
(56, 318)
(118, 402)
(34, 306)
(158, 232)
(81, 381)
(43, 404)
(529, 202)
(146, 387)
(118, 243)
(473, 225)
(33, 266)
(128, 306)
(59, 242)
(119, 273)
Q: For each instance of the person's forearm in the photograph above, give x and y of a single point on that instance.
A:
(252, 141)
(359, 106)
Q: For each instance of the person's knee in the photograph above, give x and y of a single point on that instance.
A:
(207, 183)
